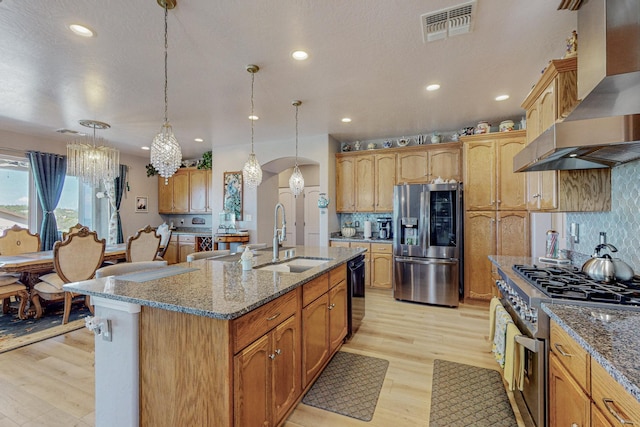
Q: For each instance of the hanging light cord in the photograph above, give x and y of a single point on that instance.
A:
(166, 47)
(253, 76)
(296, 135)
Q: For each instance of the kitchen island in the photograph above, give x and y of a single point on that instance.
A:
(211, 344)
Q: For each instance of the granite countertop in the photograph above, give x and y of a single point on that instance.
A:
(611, 336)
(217, 288)
(359, 237)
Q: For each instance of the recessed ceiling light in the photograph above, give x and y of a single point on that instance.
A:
(199, 140)
(346, 120)
(253, 117)
(433, 87)
(573, 155)
(145, 148)
(81, 30)
(299, 55)
(502, 97)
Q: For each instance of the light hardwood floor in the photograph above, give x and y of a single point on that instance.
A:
(51, 383)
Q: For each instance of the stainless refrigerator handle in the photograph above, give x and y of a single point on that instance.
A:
(426, 260)
(530, 344)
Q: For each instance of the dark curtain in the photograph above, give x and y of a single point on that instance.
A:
(119, 185)
(49, 171)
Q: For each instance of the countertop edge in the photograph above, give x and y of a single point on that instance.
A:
(611, 369)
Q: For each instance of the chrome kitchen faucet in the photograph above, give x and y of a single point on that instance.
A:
(283, 231)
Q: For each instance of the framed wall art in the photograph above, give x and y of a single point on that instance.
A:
(142, 204)
(232, 202)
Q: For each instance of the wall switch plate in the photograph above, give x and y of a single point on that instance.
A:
(248, 217)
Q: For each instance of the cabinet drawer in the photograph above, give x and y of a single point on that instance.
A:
(337, 275)
(609, 396)
(338, 244)
(314, 288)
(256, 323)
(366, 246)
(571, 355)
(381, 248)
(187, 238)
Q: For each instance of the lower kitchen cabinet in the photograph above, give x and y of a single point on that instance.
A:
(381, 265)
(491, 233)
(568, 404)
(324, 324)
(180, 245)
(267, 376)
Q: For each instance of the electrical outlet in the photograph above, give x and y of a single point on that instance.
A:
(574, 231)
(248, 217)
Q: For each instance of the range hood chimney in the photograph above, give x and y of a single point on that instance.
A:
(604, 128)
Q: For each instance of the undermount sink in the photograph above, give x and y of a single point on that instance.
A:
(296, 265)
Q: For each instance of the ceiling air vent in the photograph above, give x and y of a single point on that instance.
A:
(448, 22)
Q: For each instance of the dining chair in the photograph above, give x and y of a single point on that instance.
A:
(75, 259)
(143, 246)
(164, 232)
(128, 267)
(207, 254)
(72, 230)
(15, 241)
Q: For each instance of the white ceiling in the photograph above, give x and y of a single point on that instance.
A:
(367, 61)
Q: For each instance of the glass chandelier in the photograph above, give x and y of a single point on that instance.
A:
(91, 162)
(166, 154)
(252, 173)
(296, 182)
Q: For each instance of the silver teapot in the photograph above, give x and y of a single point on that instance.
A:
(606, 269)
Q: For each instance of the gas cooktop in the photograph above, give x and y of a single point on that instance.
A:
(571, 283)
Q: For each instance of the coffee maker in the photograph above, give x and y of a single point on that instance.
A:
(384, 227)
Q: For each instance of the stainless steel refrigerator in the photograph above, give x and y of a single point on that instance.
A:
(427, 243)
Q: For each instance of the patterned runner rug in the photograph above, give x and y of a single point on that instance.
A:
(15, 333)
(350, 385)
(464, 395)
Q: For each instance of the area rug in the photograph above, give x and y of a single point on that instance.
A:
(464, 395)
(350, 385)
(16, 333)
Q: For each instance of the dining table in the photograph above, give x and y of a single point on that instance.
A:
(31, 265)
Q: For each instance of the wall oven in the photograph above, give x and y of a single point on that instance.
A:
(355, 294)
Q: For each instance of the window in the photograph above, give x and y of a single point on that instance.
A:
(19, 205)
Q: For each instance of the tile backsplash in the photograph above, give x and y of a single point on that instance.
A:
(360, 218)
(622, 224)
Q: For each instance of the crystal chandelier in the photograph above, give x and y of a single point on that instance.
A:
(91, 162)
(296, 182)
(252, 173)
(166, 154)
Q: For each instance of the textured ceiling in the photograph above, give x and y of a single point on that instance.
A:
(367, 61)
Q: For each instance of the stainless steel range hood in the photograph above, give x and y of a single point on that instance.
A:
(604, 129)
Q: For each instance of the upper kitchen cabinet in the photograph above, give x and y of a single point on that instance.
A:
(187, 191)
(364, 182)
(550, 101)
(424, 163)
(489, 180)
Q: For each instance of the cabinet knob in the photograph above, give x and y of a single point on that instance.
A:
(558, 347)
(272, 356)
(278, 351)
(331, 306)
(608, 403)
(537, 195)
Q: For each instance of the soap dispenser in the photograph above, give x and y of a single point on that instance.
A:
(247, 259)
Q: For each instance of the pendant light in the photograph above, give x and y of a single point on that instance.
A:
(252, 173)
(296, 182)
(166, 155)
(91, 162)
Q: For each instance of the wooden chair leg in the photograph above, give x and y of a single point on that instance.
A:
(35, 299)
(87, 302)
(5, 305)
(24, 297)
(68, 296)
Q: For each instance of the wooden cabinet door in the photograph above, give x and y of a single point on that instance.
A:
(568, 404)
(337, 315)
(598, 419)
(286, 381)
(445, 163)
(197, 191)
(180, 192)
(512, 233)
(252, 385)
(186, 246)
(381, 270)
(315, 338)
(365, 183)
(479, 243)
(385, 179)
(345, 184)
(171, 255)
(209, 190)
(547, 108)
(512, 187)
(479, 176)
(533, 122)
(165, 195)
(412, 167)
